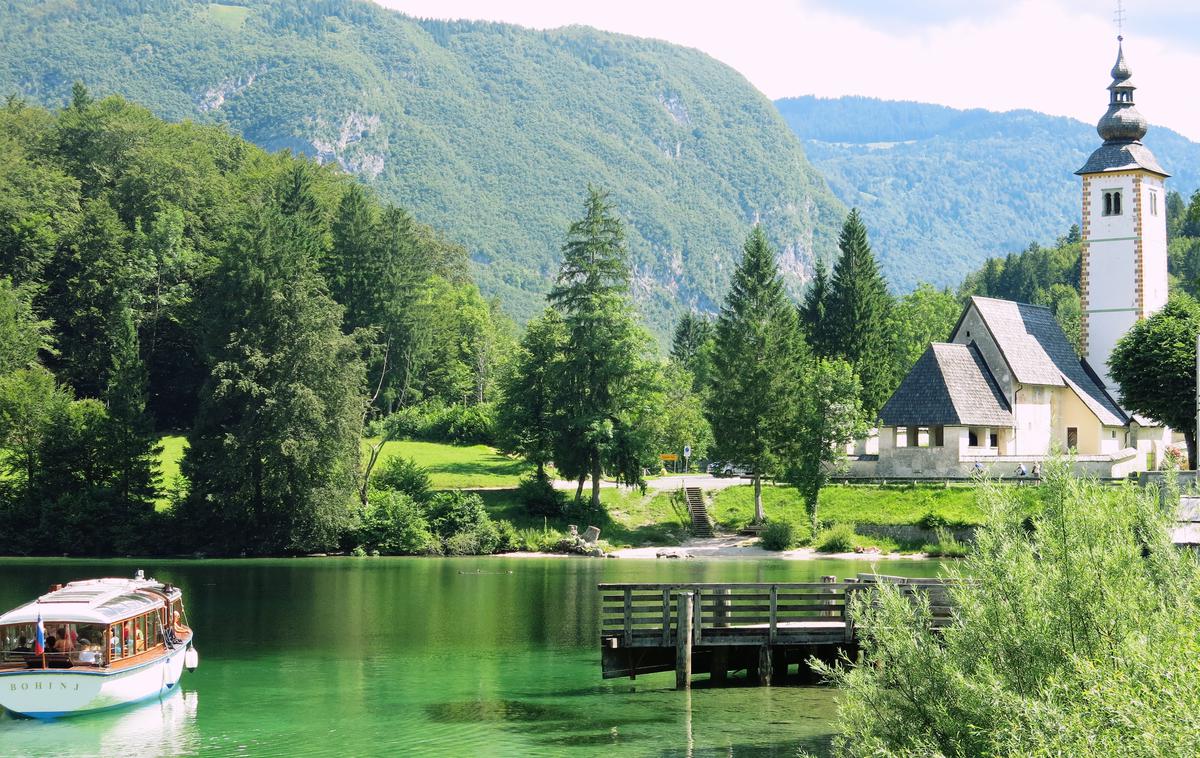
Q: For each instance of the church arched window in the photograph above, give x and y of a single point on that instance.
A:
(1112, 203)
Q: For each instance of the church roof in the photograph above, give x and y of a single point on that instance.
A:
(950, 385)
(1121, 156)
(1037, 351)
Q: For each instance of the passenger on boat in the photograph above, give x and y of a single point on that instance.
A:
(23, 645)
(139, 639)
(177, 625)
(63, 641)
(114, 646)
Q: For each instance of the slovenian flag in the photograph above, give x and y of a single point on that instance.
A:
(39, 637)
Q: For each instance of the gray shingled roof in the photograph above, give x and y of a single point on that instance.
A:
(950, 385)
(1038, 352)
(1121, 156)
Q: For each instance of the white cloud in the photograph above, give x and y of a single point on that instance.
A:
(1051, 56)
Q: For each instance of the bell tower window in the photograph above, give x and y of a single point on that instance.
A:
(1112, 203)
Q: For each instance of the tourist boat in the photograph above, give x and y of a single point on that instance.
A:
(126, 640)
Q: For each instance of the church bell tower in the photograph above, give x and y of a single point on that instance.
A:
(1124, 259)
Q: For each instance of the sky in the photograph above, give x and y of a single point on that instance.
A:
(1051, 56)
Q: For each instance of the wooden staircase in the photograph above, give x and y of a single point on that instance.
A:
(701, 526)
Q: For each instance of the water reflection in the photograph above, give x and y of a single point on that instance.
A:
(157, 728)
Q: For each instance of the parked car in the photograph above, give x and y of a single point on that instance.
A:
(714, 468)
(737, 469)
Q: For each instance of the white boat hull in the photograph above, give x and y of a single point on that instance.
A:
(54, 693)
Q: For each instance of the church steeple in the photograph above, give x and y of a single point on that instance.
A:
(1123, 268)
(1122, 122)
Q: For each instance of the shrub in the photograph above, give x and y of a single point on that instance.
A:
(946, 546)
(539, 497)
(508, 540)
(395, 524)
(1075, 638)
(839, 538)
(433, 421)
(482, 539)
(539, 540)
(401, 474)
(779, 535)
(932, 521)
(456, 511)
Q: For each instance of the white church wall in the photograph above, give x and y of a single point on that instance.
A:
(1073, 413)
(1032, 420)
(1154, 242)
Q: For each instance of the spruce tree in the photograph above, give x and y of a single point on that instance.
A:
(757, 359)
(527, 417)
(858, 312)
(814, 316)
(602, 376)
(130, 445)
(273, 455)
(691, 347)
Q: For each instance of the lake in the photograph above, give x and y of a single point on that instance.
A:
(389, 656)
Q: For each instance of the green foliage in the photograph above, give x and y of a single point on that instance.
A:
(946, 546)
(830, 417)
(395, 524)
(273, 456)
(839, 538)
(1155, 365)
(463, 524)
(692, 346)
(529, 417)
(1073, 637)
(756, 359)
(540, 498)
(22, 334)
(400, 474)
(434, 421)
(857, 313)
(606, 375)
(944, 189)
(779, 535)
(922, 316)
(681, 138)
(818, 330)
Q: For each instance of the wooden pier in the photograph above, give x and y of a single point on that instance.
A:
(717, 629)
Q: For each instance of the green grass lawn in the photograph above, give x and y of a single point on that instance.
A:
(459, 466)
(851, 504)
(630, 519)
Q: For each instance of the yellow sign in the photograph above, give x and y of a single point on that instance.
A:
(671, 457)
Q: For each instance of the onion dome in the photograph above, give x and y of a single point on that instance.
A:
(1122, 122)
(1121, 128)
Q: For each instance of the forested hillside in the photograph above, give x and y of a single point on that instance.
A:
(488, 132)
(160, 276)
(942, 189)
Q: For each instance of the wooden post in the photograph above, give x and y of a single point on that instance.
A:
(773, 619)
(720, 664)
(666, 610)
(683, 641)
(764, 665)
(628, 617)
(832, 601)
(721, 610)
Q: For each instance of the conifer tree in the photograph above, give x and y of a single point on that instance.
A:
(130, 444)
(601, 380)
(528, 418)
(757, 356)
(273, 456)
(858, 310)
(691, 347)
(814, 317)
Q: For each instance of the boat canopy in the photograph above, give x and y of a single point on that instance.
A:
(94, 601)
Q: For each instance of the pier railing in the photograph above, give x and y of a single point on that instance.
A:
(641, 623)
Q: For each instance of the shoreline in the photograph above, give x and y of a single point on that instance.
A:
(729, 548)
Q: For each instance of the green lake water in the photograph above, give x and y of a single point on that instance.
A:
(445, 657)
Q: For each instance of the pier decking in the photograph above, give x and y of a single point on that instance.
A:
(723, 628)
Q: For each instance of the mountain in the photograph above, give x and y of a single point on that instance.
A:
(488, 132)
(944, 189)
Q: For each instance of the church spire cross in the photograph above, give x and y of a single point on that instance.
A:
(1119, 20)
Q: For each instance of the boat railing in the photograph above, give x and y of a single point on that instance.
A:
(51, 659)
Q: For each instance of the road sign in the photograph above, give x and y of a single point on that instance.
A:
(687, 451)
(670, 457)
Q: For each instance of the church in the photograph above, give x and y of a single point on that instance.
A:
(1007, 388)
